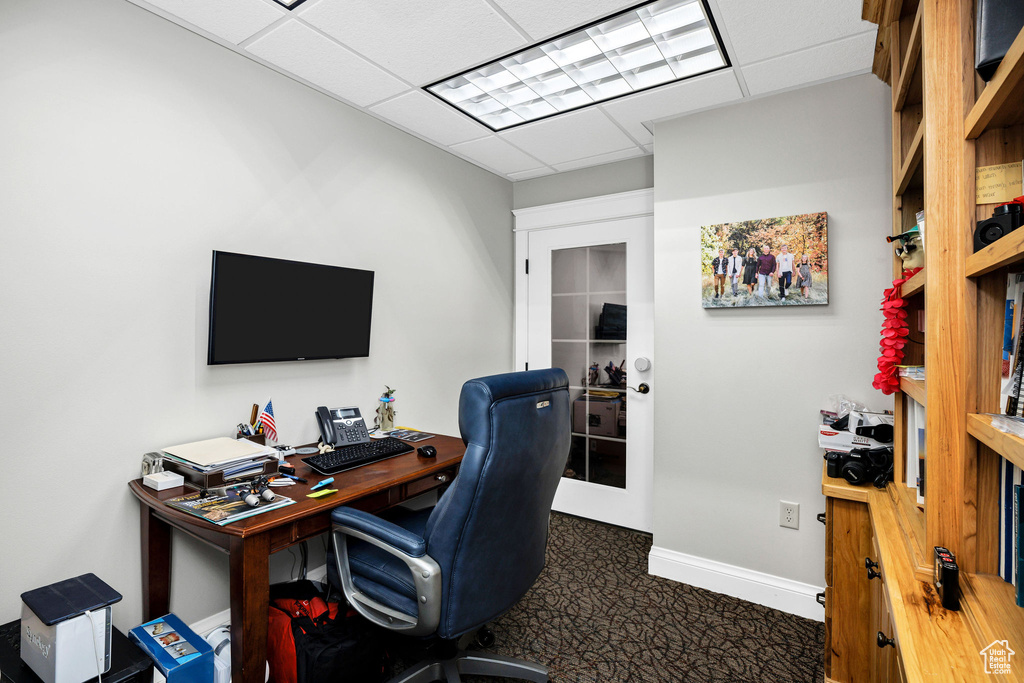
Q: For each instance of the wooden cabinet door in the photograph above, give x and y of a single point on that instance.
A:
(850, 635)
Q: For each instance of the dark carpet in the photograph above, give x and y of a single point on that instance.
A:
(596, 615)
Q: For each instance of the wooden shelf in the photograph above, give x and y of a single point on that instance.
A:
(914, 388)
(911, 163)
(1000, 103)
(1007, 445)
(910, 516)
(840, 488)
(989, 606)
(910, 62)
(1003, 252)
(914, 285)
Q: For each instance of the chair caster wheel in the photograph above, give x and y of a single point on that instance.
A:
(484, 637)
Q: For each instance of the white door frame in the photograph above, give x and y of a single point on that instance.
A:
(639, 203)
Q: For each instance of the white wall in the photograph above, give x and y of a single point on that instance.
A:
(594, 181)
(131, 149)
(742, 387)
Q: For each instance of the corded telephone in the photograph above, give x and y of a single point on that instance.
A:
(341, 426)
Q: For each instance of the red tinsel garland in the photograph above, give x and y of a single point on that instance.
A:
(894, 336)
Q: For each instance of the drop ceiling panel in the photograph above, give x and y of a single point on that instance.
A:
(426, 116)
(584, 133)
(302, 51)
(832, 60)
(699, 93)
(497, 154)
(421, 42)
(601, 159)
(759, 30)
(543, 18)
(230, 21)
(532, 173)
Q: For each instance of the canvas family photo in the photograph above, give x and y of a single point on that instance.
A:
(779, 261)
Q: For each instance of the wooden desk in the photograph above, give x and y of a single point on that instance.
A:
(250, 541)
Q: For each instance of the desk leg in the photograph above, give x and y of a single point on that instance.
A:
(250, 592)
(156, 565)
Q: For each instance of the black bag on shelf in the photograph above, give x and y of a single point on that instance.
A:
(997, 24)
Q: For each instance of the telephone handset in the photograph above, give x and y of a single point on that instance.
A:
(341, 426)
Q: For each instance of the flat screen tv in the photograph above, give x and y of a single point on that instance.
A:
(267, 309)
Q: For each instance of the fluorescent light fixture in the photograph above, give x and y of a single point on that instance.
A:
(649, 45)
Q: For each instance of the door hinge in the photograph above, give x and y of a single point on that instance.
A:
(527, 266)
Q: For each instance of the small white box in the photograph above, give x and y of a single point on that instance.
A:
(69, 651)
(163, 480)
(832, 439)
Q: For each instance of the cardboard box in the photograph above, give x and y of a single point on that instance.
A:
(602, 416)
(178, 652)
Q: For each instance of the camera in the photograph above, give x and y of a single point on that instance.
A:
(1005, 219)
(861, 465)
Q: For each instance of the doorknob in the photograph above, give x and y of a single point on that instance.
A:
(642, 389)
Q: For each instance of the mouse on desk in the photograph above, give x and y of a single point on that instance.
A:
(427, 451)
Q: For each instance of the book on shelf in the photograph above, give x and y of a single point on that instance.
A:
(1009, 546)
(1019, 555)
(911, 371)
(915, 452)
(1012, 367)
(222, 508)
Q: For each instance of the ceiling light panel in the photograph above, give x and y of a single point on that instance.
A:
(644, 47)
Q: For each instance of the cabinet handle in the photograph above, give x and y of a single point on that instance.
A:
(820, 517)
(870, 566)
(441, 478)
(883, 641)
(820, 598)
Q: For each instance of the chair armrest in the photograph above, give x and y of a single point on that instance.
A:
(406, 546)
(372, 525)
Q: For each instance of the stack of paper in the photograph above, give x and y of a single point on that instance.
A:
(233, 457)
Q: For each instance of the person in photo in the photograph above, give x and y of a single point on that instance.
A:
(750, 270)
(784, 270)
(719, 266)
(735, 270)
(803, 275)
(765, 269)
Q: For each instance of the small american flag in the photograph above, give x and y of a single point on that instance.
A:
(266, 418)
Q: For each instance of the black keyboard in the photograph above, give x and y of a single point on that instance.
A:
(347, 457)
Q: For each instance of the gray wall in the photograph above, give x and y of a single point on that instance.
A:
(744, 386)
(619, 176)
(131, 149)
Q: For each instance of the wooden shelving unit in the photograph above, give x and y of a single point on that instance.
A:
(915, 389)
(914, 285)
(946, 122)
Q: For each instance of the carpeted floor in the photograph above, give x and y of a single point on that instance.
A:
(596, 615)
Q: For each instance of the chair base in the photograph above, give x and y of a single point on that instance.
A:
(472, 664)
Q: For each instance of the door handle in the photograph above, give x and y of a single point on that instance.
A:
(642, 389)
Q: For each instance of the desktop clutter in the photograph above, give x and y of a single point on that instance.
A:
(857, 443)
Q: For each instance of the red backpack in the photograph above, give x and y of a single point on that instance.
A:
(310, 640)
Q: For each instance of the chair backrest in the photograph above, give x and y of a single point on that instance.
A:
(489, 531)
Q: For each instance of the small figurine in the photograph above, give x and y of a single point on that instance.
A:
(593, 375)
(385, 420)
(911, 248)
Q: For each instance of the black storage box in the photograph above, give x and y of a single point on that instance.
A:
(997, 24)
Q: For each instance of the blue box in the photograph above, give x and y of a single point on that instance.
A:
(179, 653)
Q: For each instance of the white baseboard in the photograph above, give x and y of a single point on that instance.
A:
(772, 591)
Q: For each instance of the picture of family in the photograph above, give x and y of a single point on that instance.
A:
(768, 262)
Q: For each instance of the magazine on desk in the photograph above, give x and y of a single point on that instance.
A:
(224, 508)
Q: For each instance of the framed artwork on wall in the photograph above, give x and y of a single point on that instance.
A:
(779, 261)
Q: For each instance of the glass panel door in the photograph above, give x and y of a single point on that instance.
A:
(588, 341)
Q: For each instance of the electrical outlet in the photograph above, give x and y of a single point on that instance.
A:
(789, 514)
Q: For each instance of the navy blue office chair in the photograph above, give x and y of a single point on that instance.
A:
(448, 570)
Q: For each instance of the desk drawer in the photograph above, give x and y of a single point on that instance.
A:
(442, 478)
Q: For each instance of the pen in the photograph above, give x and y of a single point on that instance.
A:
(292, 476)
(325, 482)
